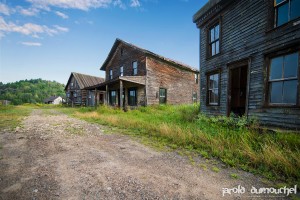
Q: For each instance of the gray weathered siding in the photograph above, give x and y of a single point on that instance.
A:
(247, 33)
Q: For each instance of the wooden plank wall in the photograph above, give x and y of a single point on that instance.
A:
(247, 33)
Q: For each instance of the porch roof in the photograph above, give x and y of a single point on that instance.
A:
(141, 80)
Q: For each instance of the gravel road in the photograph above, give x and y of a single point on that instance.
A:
(53, 156)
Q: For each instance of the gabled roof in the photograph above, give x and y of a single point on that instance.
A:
(84, 80)
(52, 98)
(147, 53)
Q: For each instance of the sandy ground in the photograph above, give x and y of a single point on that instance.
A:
(53, 156)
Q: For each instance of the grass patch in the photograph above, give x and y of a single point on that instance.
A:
(215, 169)
(236, 142)
(12, 116)
(234, 176)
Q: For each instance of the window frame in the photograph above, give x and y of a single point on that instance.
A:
(134, 73)
(110, 74)
(122, 70)
(110, 97)
(208, 74)
(135, 99)
(267, 84)
(195, 97)
(276, 8)
(209, 42)
(165, 97)
(196, 78)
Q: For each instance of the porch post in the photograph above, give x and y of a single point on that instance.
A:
(96, 98)
(107, 96)
(121, 94)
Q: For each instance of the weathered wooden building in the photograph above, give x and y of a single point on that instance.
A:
(80, 91)
(249, 59)
(138, 77)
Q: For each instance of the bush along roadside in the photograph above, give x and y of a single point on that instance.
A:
(238, 142)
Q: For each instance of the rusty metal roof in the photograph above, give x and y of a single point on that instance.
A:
(84, 81)
(147, 53)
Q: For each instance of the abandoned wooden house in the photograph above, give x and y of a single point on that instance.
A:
(53, 100)
(138, 77)
(249, 59)
(78, 90)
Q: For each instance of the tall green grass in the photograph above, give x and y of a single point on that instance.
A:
(12, 116)
(237, 142)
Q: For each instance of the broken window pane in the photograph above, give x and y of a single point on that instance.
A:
(291, 65)
(276, 92)
(276, 68)
(290, 92)
(282, 14)
(295, 9)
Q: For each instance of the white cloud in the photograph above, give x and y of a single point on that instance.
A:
(61, 29)
(4, 9)
(29, 29)
(119, 3)
(35, 44)
(62, 15)
(135, 3)
(74, 4)
(28, 12)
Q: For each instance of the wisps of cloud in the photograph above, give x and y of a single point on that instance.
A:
(135, 3)
(4, 9)
(73, 4)
(34, 30)
(35, 44)
(32, 11)
(62, 15)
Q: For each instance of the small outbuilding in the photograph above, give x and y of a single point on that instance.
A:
(53, 100)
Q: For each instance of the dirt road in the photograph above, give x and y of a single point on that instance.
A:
(53, 156)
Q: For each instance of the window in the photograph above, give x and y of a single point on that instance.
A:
(135, 67)
(214, 40)
(112, 97)
(121, 71)
(162, 96)
(286, 10)
(194, 97)
(110, 74)
(122, 51)
(213, 89)
(196, 78)
(283, 79)
(132, 97)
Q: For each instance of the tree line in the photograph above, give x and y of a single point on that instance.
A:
(30, 91)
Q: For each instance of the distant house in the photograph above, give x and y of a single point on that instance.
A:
(53, 100)
(79, 90)
(138, 77)
(250, 60)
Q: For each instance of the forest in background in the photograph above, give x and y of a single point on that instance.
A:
(30, 91)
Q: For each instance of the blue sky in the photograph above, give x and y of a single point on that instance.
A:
(49, 39)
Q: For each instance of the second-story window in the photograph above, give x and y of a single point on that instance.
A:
(286, 10)
(214, 40)
(121, 71)
(110, 74)
(135, 67)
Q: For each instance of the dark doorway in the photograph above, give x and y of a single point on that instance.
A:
(238, 90)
